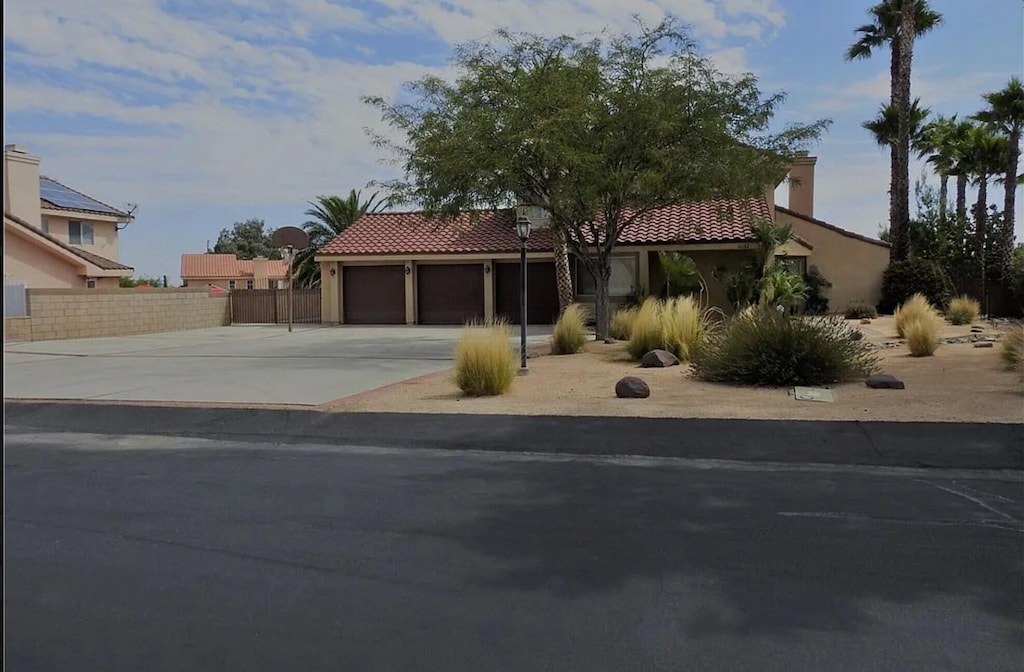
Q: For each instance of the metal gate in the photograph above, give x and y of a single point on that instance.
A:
(270, 306)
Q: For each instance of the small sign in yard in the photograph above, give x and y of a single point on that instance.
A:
(813, 394)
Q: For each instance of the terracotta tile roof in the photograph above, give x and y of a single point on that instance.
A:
(226, 266)
(832, 227)
(94, 259)
(493, 231)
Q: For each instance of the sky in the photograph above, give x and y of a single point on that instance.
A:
(206, 113)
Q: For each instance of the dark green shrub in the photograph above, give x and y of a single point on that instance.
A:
(903, 279)
(764, 347)
(816, 283)
(858, 310)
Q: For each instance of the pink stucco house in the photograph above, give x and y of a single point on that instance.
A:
(54, 236)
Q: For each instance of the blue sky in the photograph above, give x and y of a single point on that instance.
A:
(209, 112)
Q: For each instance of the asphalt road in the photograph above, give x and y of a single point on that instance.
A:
(171, 553)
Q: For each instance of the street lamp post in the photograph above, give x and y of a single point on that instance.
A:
(290, 255)
(523, 231)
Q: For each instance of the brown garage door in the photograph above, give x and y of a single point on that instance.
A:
(541, 292)
(374, 294)
(450, 293)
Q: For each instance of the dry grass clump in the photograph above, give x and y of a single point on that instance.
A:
(570, 334)
(922, 335)
(485, 363)
(915, 308)
(963, 310)
(1012, 349)
(621, 325)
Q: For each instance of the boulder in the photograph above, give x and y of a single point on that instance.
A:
(977, 330)
(856, 335)
(632, 387)
(884, 381)
(658, 359)
(985, 344)
(865, 321)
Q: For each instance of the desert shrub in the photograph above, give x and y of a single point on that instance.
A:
(647, 332)
(621, 325)
(685, 327)
(570, 332)
(485, 363)
(963, 310)
(765, 347)
(859, 310)
(903, 279)
(922, 334)
(1012, 349)
(914, 308)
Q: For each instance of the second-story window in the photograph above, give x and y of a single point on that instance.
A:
(248, 284)
(80, 233)
(45, 224)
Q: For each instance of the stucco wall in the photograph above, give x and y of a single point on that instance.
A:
(709, 263)
(83, 313)
(36, 267)
(854, 266)
(104, 235)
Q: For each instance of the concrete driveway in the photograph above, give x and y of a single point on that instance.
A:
(243, 364)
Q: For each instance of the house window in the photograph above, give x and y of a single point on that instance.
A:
(248, 284)
(274, 284)
(90, 283)
(796, 265)
(45, 224)
(621, 283)
(80, 233)
(231, 284)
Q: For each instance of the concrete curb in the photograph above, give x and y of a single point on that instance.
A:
(895, 444)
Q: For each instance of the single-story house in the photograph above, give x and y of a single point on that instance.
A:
(54, 236)
(403, 268)
(227, 271)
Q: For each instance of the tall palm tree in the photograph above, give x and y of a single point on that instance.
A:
(985, 156)
(1005, 112)
(935, 147)
(958, 144)
(897, 23)
(330, 215)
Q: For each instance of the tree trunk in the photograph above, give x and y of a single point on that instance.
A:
(943, 196)
(961, 200)
(901, 209)
(1009, 206)
(563, 274)
(894, 98)
(980, 229)
(602, 309)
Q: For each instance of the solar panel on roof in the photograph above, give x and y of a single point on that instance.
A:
(63, 197)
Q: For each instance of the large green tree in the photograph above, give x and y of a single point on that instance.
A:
(247, 240)
(896, 24)
(329, 216)
(1005, 112)
(601, 132)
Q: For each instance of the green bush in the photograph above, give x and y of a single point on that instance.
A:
(485, 363)
(816, 283)
(570, 332)
(764, 347)
(963, 310)
(859, 310)
(903, 279)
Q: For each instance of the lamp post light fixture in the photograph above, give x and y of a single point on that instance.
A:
(523, 231)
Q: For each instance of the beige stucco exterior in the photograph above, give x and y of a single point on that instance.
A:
(39, 262)
(104, 232)
(853, 264)
(241, 282)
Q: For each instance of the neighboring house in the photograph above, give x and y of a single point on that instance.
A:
(227, 271)
(54, 236)
(401, 268)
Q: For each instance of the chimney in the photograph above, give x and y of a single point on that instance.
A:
(801, 196)
(260, 273)
(21, 184)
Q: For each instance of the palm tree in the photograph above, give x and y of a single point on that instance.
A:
(958, 144)
(330, 215)
(935, 144)
(1005, 112)
(897, 23)
(985, 157)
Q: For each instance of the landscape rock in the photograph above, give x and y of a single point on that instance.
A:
(884, 381)
(984, 344)
(856, 335)
(865, 321)
(632, 387)
(658, 359)
(977, 330)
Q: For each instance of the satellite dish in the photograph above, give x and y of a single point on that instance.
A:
(290, 236)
